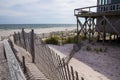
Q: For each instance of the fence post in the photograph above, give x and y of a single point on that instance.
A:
(19, 37)
(14, 37)
(4, 52)
(82, 78)
(32, 46)
(24, 67)
(23, 35)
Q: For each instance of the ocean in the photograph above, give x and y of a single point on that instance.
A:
(29, 26)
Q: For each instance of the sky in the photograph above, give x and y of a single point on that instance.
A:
(40, 11)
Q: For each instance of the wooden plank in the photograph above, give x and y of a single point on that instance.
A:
(14, 67)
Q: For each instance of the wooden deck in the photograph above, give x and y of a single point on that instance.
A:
(95, 15)
(98, 11)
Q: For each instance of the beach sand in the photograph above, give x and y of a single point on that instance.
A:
(7, 32)
(90, 65)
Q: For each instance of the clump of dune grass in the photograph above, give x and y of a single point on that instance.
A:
(88, 48)
(52, 40)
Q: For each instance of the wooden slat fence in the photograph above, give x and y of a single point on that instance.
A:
(14, 67)
(45, 59)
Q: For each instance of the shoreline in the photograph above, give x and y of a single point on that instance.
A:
(8, 32)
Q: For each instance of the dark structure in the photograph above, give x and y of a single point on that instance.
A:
(103, 19)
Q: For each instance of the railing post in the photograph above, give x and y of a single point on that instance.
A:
(32, 46)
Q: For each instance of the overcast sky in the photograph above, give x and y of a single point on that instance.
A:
(40, 11)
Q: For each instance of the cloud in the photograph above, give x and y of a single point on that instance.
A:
(36, 9)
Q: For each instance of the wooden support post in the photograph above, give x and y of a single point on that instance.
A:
(85, 28)
(89, 29)
(24, 66)
(93, 28)
(77, 30)
(110, 38)
(32, 46)
(117, 38)
(114, 37)
(104, 32)
(104, 37)
(98, 36)
(61, 40)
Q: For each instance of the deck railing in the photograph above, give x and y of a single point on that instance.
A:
(98, 9)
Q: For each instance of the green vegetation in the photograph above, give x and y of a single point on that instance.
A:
(74, 39)
(52, 40)
(69, 40)
(105, 49)
(82, 37)
(100, 49)
(97, 50)
(88, 48)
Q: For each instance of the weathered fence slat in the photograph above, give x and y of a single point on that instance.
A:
(61, 73)
(72, 72)
(14, 67)
(64, 66)
(77, 78)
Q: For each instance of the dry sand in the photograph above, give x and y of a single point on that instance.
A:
(92, 65)
(4, 71)
(7, 32)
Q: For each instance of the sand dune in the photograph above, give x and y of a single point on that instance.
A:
(92, 65)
